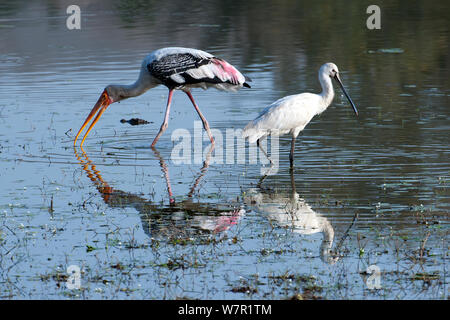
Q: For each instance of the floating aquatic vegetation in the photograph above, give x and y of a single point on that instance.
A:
(387, 50)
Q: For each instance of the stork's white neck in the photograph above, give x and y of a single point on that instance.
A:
(133, 90)
(142, 84)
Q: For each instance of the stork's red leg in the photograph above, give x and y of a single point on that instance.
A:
(205, 123)
(165, 170)
(166, 118)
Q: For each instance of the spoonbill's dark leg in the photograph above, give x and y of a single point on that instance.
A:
(205, 123)
(261, 180)
(294, 191)
(260, 147)
(166, 118)
(291, 154)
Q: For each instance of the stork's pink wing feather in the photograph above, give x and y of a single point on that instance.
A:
(226, 72)
(182, 67)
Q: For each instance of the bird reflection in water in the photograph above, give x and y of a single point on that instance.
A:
(292, 212)
(184, 219)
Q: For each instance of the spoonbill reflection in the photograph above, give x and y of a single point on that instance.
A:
(292, 212)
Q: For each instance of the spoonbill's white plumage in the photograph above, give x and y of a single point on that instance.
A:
(291, 114)
(177, 69)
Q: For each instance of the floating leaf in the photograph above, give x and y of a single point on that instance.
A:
(391, 50)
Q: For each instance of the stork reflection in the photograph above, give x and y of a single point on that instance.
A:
(183, 219)
(291, 211)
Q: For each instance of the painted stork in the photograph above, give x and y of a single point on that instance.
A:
(291, 114)
(177, 69)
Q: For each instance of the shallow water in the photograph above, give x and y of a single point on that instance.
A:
(371, 190)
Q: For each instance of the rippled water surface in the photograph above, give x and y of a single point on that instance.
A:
(367, 190)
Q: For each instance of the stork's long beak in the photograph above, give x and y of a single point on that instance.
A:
(336, 77)
(103, 102)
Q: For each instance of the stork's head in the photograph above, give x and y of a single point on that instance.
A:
(116, 93)
(331, 70)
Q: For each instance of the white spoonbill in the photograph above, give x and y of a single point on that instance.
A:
(291, 114)
(177, 69)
